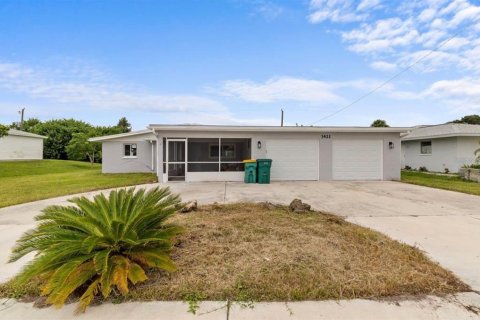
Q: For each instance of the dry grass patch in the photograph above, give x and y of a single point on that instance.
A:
(253, 252)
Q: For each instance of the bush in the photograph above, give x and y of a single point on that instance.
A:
(99, 244)
(446, 170)
(408, 168)
(423, 169)
(472, 166)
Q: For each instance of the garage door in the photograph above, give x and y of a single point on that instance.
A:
(357, 159)
(293, 159)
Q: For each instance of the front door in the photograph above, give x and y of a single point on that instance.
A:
(176, 159)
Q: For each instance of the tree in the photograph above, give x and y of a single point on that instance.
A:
(470, 119)
(28, 125)
(124, 125)
(59, 133)
(99, 244)
(3, 130)
(379, 123)
(79, 148)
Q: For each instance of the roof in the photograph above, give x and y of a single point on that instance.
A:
(121, 135)
(19, 133)
(443, 131)
(187, 127)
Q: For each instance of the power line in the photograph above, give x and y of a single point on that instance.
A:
(386, 81)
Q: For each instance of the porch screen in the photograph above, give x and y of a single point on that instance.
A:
(217, 154)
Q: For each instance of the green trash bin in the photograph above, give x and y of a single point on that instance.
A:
(263, 170)
(250, 171)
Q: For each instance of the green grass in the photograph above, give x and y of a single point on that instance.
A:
(452, 183)
(25, 181)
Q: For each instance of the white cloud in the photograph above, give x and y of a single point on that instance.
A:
(368, 4)
(463, 93)
(412, 27)
(335, 11)
(281, 89)
(384, 35)
(383, 66)
(266, 9)
(68, 87)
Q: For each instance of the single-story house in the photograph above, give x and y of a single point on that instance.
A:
(21, 145)
(440, 147)
(215, 153)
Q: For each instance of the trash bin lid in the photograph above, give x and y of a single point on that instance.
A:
(249, 160)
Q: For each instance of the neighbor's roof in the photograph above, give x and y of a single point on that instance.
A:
(121, 135)
(443, 131)
(187, 127)
(15, 132)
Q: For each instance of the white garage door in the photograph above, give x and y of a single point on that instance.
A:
(293, 159)
(357, 159)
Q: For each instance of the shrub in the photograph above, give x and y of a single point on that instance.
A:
(423, 169)
(99, 244)
(408, 168)
(446, 170)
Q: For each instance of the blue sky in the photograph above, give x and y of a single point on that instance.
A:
(239, 61)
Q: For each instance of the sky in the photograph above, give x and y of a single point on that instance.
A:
(239, 62)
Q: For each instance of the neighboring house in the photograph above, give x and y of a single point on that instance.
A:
(440, 147)
(21, 145)
(215, 153)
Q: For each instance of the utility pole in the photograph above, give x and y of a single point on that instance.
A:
(281, 121)
(22, 113)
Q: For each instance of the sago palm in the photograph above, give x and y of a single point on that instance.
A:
(93, 247)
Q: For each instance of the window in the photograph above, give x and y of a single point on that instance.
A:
(214, 154)
(426, 147)
(130, 150)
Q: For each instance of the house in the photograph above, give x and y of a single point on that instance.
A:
(441, 147)
(21, 145)
(215, 153)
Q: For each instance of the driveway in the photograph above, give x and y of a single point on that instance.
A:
(445, 224)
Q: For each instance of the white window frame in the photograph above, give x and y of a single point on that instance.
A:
(130, 156)
(421, 148)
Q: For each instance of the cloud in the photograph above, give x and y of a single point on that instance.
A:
(92, 89)
(281, 89)
(368, 4)
(335, 11)
(383, 66)
(394, 33)
(266, 9)
(463, 93)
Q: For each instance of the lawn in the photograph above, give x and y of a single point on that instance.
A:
(453, 183)
(24, 181)
(260, 252)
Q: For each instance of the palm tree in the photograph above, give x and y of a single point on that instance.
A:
(97, 245)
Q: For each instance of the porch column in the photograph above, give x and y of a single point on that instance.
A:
(160, 158)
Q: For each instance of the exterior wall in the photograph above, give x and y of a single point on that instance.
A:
(21, 148)
(113, 160)
(466, 150)
(391, 157)
(447, 153)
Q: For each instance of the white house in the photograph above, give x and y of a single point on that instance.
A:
(215, 153)
(21, 145)
(440, 147)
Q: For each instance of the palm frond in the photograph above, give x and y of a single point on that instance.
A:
(99, 244)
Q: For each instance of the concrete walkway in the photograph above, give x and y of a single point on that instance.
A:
(446, 225)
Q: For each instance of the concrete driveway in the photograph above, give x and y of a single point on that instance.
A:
(446, 225)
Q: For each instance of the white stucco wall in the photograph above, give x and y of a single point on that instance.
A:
(114, 161)
(447, 153)
(391, 157)
(21, 148)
